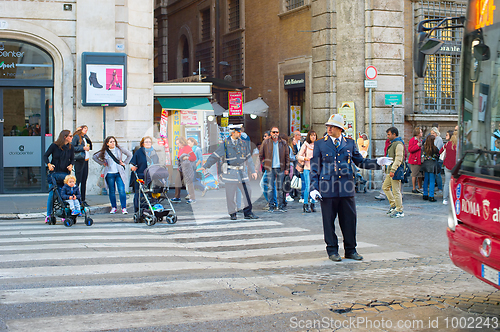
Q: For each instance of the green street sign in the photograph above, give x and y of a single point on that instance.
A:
(394, 99)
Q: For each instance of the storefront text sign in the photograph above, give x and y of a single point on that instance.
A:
(235, 103)
(176, 129)
(295, 116)
(348, 111)
(189, 118)
(295, 81)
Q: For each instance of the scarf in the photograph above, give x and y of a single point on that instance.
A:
(149, 152)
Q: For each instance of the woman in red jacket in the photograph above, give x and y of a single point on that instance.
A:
(415, 159)
(450, 160)
(186, 157)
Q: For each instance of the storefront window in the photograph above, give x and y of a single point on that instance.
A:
(19, 60)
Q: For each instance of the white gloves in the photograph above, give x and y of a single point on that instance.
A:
(315, 195)
(384, 161)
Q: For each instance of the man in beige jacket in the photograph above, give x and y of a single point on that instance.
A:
(391, 187)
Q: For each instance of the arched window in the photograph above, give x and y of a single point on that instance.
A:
(183, 70)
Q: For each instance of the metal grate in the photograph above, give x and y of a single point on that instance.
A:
(233, 54)
(205, 24)
(291, 4)
(234, 14)
(438, 91)
(203, 54)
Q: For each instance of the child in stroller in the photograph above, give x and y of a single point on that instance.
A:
(66, 200)
(154, 204)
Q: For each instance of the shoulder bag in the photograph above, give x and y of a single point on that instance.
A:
(402, 173)
(296, 183)
(114, 158)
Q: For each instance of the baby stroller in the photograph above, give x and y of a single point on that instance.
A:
(154, 204)
(60, 207)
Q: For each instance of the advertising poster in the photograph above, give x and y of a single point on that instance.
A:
(295, 117)
(224, 122)
(164, 123)
(104, 84)
(349, 113)
(189, 118)
(176, 129)
(235, 103)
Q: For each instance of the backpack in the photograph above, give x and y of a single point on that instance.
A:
(402, 173)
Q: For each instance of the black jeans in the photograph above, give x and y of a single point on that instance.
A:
(82, 173)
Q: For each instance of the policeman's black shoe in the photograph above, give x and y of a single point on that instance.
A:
(425, 197)
(354, 256)
(233, 216)
(335, 258)
(251, 216)
(432, 199)
(306, 208)
(313, 208)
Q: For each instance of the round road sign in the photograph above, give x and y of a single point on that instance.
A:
(371, 72)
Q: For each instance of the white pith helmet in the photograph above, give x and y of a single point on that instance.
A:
(336, 120)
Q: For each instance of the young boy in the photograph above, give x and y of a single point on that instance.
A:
(71, 194)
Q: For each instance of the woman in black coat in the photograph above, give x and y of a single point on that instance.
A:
(82, 145)
(144, 157)
(429, 167)
(60, 164)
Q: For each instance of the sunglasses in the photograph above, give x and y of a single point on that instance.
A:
(275, 132)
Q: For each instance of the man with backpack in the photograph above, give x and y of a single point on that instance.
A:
(392, 187)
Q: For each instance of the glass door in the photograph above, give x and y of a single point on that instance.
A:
(26, 135)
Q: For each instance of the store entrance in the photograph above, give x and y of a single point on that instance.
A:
(25, 135)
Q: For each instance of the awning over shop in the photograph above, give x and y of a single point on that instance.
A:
(256, 106)
(185, 103)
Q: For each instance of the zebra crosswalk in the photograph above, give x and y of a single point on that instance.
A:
(125, 265)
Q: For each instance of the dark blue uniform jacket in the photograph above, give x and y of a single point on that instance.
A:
(332, 169)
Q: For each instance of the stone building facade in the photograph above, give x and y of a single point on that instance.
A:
(326, 45)
(63, 30)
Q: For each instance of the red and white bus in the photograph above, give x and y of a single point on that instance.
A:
(474, 218)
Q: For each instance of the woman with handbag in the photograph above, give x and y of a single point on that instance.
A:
(60, 165)
(82, 145)
(186, 157)
(111, 157)
(429, 167)
(304, 156)
(415, 159)
(143, 157)
(449, 161)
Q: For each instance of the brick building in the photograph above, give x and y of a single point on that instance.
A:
(313, 54)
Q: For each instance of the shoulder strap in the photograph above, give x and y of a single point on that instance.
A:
(113, 157)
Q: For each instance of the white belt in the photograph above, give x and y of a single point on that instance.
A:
(235, 167)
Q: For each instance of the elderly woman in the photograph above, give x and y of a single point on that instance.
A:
(60, 165)
(144, 157)
(186, 157)
(111, 156)
(82, 145)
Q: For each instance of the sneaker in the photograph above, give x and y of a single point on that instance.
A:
(281, 209)
(289, 199)
(47, 219)
(204, 192)
(190, 201)
(380, 197)
(391, 210)
(265, 207)
(420, 191)
(124, 211)
(270, 209)
(75, 212)
(113, 211)
(187, 197)
(175, 200)
(301, 200)
(397, 215)
(445, 202)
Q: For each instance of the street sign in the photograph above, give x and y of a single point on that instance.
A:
(370, 84)
(371, 72)
(394, 99)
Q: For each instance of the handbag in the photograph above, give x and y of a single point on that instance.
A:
(296, 183)
(287, 186)
(80, 156)
(402, 173)
(442, 155)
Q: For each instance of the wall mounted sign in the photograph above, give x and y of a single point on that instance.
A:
(235, 103)
(104, 79)
(348, 111)
(295, 81)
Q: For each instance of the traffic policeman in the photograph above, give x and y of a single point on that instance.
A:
(332, 182)
(235, 155)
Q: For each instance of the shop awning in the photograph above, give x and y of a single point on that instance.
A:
(256, 106)
(185, 103)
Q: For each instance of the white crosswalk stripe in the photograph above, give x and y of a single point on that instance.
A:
(41, 255)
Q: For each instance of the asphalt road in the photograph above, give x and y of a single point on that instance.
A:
(207, 273)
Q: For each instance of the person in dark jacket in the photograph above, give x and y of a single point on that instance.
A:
(82, 145)
(430, 167)
(71, 194)
(144, 157)
(60, 165)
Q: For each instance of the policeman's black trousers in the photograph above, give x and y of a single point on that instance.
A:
(231, 197)
(81, 174)
(345, 208)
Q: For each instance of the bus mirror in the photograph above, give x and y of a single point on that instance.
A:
(481, 52)
(419, 60)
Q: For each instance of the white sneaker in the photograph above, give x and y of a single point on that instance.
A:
(445, 202)
(289, 199)
(124, 211)
(113, 211)
(301, 200)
